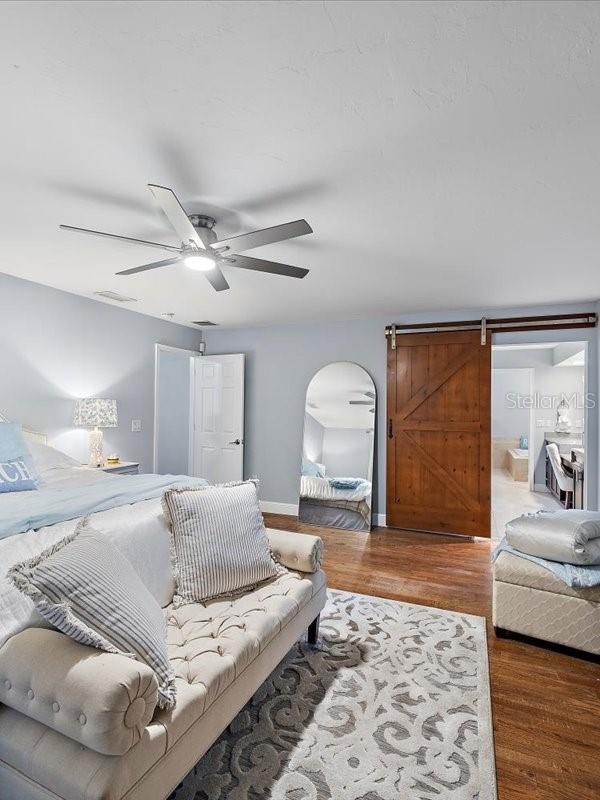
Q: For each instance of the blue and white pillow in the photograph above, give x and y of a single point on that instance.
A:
(312, 469)
(17, 471)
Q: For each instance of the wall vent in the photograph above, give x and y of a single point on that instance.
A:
(204, 323)
(119, 298)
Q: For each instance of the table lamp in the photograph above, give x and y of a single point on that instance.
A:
(95, 413)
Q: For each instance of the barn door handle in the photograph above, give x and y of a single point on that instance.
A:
(236, 441)
(390, 429)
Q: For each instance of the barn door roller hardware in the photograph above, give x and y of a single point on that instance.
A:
(503, 324)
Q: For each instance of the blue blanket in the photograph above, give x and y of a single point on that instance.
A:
(48, 506)
(346, 483)
(574, 576)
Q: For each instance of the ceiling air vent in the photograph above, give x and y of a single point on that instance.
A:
(119, 298)
(204, 323)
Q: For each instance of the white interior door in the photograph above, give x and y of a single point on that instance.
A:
(217, 452)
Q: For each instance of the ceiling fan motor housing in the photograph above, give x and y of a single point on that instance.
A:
(205, 227)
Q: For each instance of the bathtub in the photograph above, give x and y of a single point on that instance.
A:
(518, 464)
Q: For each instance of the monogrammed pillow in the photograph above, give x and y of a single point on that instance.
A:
(86, 588)
(219, 542)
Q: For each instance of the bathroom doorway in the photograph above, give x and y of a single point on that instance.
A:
(538, 429)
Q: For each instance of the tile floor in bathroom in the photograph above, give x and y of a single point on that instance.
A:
(512, 498)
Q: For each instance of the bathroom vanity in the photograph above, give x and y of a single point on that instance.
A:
(572, 456)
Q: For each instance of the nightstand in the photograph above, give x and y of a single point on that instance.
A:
(122, 468)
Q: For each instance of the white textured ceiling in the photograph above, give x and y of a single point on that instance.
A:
(550, 354)
(329, 393)
(446, 154)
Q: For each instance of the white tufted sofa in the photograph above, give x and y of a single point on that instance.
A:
(80, 724)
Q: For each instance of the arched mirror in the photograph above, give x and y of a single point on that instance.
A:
(337, 449)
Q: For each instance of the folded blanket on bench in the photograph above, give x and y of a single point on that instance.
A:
(569, 536)
(575, 576)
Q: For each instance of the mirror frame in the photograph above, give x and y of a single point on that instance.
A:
(343, 512)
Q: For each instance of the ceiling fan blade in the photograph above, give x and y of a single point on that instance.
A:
(361, 402)
(175, 213)
(216, 279)
(278, 233)
(272, 267)
(155, 265)
(120, 238)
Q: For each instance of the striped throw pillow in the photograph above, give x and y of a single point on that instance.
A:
(219, 544)
(86, 588)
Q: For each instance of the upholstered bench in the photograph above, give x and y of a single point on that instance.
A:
(532, 601)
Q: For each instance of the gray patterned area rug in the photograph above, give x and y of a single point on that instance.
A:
(395, 705)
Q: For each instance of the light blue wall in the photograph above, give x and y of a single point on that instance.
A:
(173, 413)
(280, 361)
(508, 419)
(56, 346)
(312, 444)
(347, 452)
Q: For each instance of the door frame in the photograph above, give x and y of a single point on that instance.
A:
(158, 348)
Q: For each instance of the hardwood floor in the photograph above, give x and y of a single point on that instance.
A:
(546, 704)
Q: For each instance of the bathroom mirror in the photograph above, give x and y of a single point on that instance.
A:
(337, 449)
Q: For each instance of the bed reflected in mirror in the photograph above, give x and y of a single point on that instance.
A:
(337, 449)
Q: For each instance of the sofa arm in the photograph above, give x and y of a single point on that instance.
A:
(102, 700)
(299, 551)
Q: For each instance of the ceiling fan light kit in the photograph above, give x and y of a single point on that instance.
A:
(200, 248)
(199, 262)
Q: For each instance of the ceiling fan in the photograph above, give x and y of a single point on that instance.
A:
(201, 250)
(370, 402)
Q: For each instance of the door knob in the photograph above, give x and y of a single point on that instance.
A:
(235, 441)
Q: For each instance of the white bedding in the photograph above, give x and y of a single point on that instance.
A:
(60, 478)
(320, 489)
(56, 470)
(139, 530)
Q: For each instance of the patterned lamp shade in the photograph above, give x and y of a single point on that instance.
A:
(94, 412)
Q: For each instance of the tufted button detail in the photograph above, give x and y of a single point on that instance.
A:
(219, 650)
(55, 706)
(30, 694)
(135, 712)
(7, 685)
(82, 719)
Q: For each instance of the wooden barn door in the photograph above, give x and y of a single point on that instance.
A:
(438, 453)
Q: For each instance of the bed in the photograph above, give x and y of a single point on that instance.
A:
(323, 504)
(126, 508)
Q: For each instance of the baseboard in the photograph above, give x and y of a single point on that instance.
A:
(379, 520)
(290, 509)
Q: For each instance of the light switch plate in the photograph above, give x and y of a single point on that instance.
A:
(136, 425)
